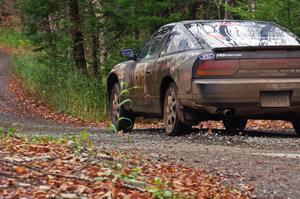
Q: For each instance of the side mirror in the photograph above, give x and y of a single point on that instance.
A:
(128, 53)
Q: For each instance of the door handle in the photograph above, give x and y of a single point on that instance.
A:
(148, 71)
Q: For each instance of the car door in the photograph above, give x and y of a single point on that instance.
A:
(143, 74)
(176, 53)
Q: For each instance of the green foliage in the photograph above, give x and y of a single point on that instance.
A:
(1, 133)
(133, 176)
(160, 193)
(64, 89)
(112, 128)
(241, 10)
(285, 13)
(124, 102)
(11, 131)
(37, 139)
(50, 74)
(157, 181)
(78, 142)
(129, 23)
(14, 39)
(108, 26)
(81, 142)
(37, 15)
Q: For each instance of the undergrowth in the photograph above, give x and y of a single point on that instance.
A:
(14, 39)
(64, 89)
(58, 85)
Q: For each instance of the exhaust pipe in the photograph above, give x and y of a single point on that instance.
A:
(227, 113)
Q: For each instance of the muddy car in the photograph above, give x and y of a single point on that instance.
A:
(193, 71)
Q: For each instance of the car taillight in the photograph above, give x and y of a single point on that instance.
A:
(217, 68)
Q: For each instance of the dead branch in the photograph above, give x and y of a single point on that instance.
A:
(45, 172)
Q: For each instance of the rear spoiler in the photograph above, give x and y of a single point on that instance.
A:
(255, 48)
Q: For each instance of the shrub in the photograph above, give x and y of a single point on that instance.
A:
(13, 39)
(64, 89)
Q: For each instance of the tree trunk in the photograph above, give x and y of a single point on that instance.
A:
(194, 10)
(49, 38)
(251, 7)
(1, 11)
(226, 13)
(101, 35)
(289, 11)
(227, 6)
(77, 36)
(103, 47)
(207, 13)
(95, 52)
(218, 4)
(95, 39)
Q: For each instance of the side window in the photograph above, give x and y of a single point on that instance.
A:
(178, 42)
(153, 47)
(144, 52)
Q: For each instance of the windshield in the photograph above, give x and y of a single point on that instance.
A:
(233, 34)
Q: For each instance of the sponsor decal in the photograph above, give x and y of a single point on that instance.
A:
(207, 56)
(229, 55)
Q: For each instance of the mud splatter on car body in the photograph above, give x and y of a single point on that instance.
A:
(240, 69)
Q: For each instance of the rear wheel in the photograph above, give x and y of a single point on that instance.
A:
(234, 125)
(173, 125)
(296, 125)
(120, 118)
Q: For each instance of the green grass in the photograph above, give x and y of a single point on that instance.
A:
(63, 89)
(13, 39)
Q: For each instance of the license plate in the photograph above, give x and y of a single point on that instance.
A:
(275, 99)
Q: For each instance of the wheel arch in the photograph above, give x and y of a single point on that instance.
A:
(111, 80)
(167, 80)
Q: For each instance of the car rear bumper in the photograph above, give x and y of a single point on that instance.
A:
(241, 95)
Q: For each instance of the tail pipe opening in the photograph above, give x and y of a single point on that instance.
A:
(225, 113)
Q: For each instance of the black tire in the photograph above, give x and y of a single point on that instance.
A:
(296, 125)
(234, 125)
(173, 126)
(120, 118)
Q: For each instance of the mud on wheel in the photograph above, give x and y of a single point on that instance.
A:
(120, 118)
(173, 126)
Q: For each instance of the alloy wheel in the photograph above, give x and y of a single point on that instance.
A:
(115, 107)
(171, 111)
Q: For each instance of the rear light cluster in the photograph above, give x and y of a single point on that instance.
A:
(217, 68)
(206, 65)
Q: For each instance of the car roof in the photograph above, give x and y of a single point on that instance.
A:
(219, 20)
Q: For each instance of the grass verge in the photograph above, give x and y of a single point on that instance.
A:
(67, 91)
(62, 88)
(14, 39)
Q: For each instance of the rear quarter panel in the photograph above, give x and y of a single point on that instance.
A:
(179, 66)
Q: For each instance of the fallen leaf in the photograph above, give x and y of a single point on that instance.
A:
(21, 170)
(69, 195)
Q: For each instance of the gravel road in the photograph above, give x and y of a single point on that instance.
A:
(269, 159)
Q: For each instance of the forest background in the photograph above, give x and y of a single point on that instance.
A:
(66, 48)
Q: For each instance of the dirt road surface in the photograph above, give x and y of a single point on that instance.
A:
(269, 159)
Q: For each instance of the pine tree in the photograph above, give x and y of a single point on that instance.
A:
(77, 36)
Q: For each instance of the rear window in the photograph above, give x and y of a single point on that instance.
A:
(234, 34)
